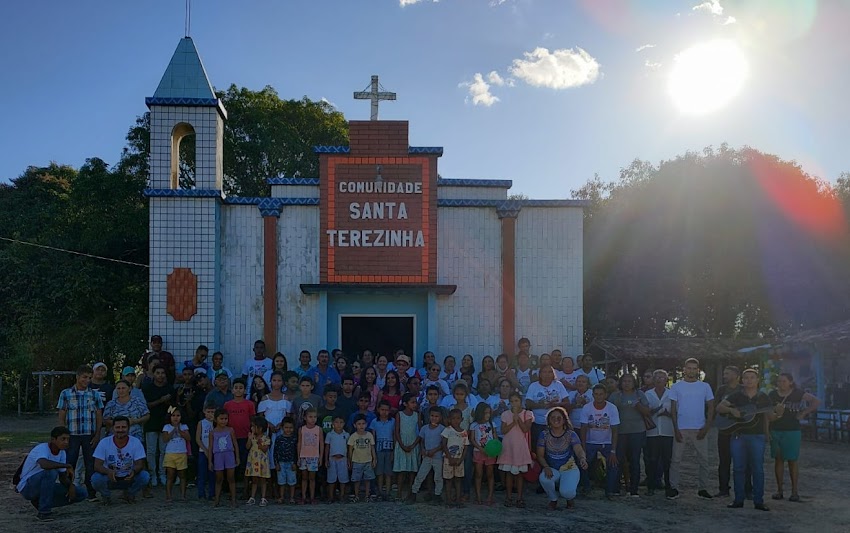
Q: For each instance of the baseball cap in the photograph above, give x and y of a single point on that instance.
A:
(221, 373)
(200, 371)
(98, 365)
(128, 370)
(402, 357)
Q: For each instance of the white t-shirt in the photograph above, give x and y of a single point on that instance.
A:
(337, 443)
(575, 414)
(177, 444)
(554, 392)
(569, 378)
(595, 375)
(523, 377)
(31, 466)
(492, 401)
(690, 398)
(120, 459)
(664, 424)
(599, 422)
(252, 368)
(440, 383)
(274, 410)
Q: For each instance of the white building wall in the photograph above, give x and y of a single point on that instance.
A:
(469, 256)
(549, 279)
(299, 322)
(183, 234)
(472, 193)
(209, 131)
(241, 305)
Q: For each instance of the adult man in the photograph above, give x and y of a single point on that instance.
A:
(158, 395)
(748, 440)
(690, 400)
(165, 358)
(593, 374)
(258, 365)
(199, 360)
(304, 366)
(543, 395)
(322, 374)
(81, 411)
(599, 423)
(731, 384)
(659, 440)
(195, 408)
(44, 465)
(119, 463)
(100, 384)
(221, 393)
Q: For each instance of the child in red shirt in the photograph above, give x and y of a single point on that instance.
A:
(240, 411)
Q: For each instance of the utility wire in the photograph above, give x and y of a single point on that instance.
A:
(16, 241)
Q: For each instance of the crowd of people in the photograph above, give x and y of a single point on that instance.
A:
(352, 429)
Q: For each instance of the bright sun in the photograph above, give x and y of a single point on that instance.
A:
(705, 77)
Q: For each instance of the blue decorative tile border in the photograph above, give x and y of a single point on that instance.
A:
(269, 207)
(158, 100)
(292, 181)
(412, 150)
(447, 182)
(430, 150)
(182, 193)
(332, 149)
(509, 205)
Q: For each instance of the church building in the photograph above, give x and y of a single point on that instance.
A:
(376, 252)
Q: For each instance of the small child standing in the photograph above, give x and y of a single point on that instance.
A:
(406, 457)
(285, 456)
(483, 432)
(206, 476)
(515, 457)
(336, 458)
(431, 436)
(240, 411)
(223, 459)
(361, 457)
(257, 466)
(311, 447)
(176, 438)
(454, 441)
(384, 428)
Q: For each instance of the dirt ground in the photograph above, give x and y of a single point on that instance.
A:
(825, 469)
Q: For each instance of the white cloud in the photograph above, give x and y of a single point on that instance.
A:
(325, 100)
(651, 65)
(495, 79)
(710, 6)
(494, 3)
(560, 69)
(730, 20)
(404, 3)
(479, 90)
(644, 47)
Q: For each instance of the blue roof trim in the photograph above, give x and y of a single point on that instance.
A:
(430, 150)
(269, 203)
(159, 100)
(293, 181)
(332, 149)
(447, 182)
(181, 193)
(412, 150)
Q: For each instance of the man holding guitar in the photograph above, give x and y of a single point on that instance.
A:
(750, 433)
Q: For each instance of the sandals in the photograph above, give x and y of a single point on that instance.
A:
(794, 498)
(251, 501)
(263, 502)
(778, 496)
(509, 502)
(353, 499)
(520, 504)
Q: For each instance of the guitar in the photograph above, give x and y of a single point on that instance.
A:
(749, 418)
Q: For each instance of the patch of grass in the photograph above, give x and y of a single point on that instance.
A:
(10, 441)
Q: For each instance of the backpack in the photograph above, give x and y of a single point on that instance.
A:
(16, 477)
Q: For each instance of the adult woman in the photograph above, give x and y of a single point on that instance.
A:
(632, 405)
(341, 365)
(127, 405)
(568, 373)
(579, 398)
(391, 391)
(369, 384)
(449, 374)
(558, 447)
(356, 369)
(543, 395)
(381, 370)
(659, 440)
(792, 406)
(488, 370)
(279, 364)
(467, 366)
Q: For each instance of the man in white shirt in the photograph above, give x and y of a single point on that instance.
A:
(258, 365)
(593, 374)
(659, 440)
(119, 463)
(44, 465)
(693, 410)
(600, 421)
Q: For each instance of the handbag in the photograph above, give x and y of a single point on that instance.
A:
(648, 422)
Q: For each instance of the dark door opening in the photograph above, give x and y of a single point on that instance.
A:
(380, 334)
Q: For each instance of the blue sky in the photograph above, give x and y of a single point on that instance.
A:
(572, 94)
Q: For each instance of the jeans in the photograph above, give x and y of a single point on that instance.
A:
(82, 441)
(660, 452)
(630, 446)
(724, 466)
(689, 436)
(153, 439)
(43, 487)
(105, 487)
(567, 487)
(206, 477)
(612, 473)
(748, 453)
(429, 463)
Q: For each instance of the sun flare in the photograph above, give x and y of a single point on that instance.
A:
(707, 76)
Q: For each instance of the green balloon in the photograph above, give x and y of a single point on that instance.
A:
(493, 448)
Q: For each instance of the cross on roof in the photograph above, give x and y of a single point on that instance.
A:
(375, 96)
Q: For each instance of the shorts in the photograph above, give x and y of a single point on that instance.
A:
(177, 461)
(310, 464)
(362, 471)
(385, 463)
(481, 458)
(450, 472)
(786, 443)
(337, 470)
(224, 461)
(286, 475)
(514, 469)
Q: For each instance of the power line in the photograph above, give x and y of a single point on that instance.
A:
(16, 241)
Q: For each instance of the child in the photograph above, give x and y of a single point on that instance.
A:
(392, 391)
(206, 476)
(176, 438)
(259, 389)
(311, 447)
(305, 400)
(454, 441)
(482, 433)
(290, 380)
(502, 404)
(431, 436)
(223, 459)
(336, 458)
(285, 454)
(329, 409)
(257, 466)
(384, 428)
(361, 456)
(460, 399)
(406, 457)
(515, 457)
(362, 409)
(240, 411)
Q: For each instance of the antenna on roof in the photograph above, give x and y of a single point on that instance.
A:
(188, 22)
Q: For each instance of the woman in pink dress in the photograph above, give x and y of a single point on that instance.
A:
(516, 455)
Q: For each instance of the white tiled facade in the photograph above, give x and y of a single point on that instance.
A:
(472, 193)
(209, 130)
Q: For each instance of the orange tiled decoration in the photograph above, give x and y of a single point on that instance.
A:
(182, 294)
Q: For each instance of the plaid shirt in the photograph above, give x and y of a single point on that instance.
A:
(81, 409)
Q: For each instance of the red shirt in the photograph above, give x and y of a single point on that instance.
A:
(240, 414)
